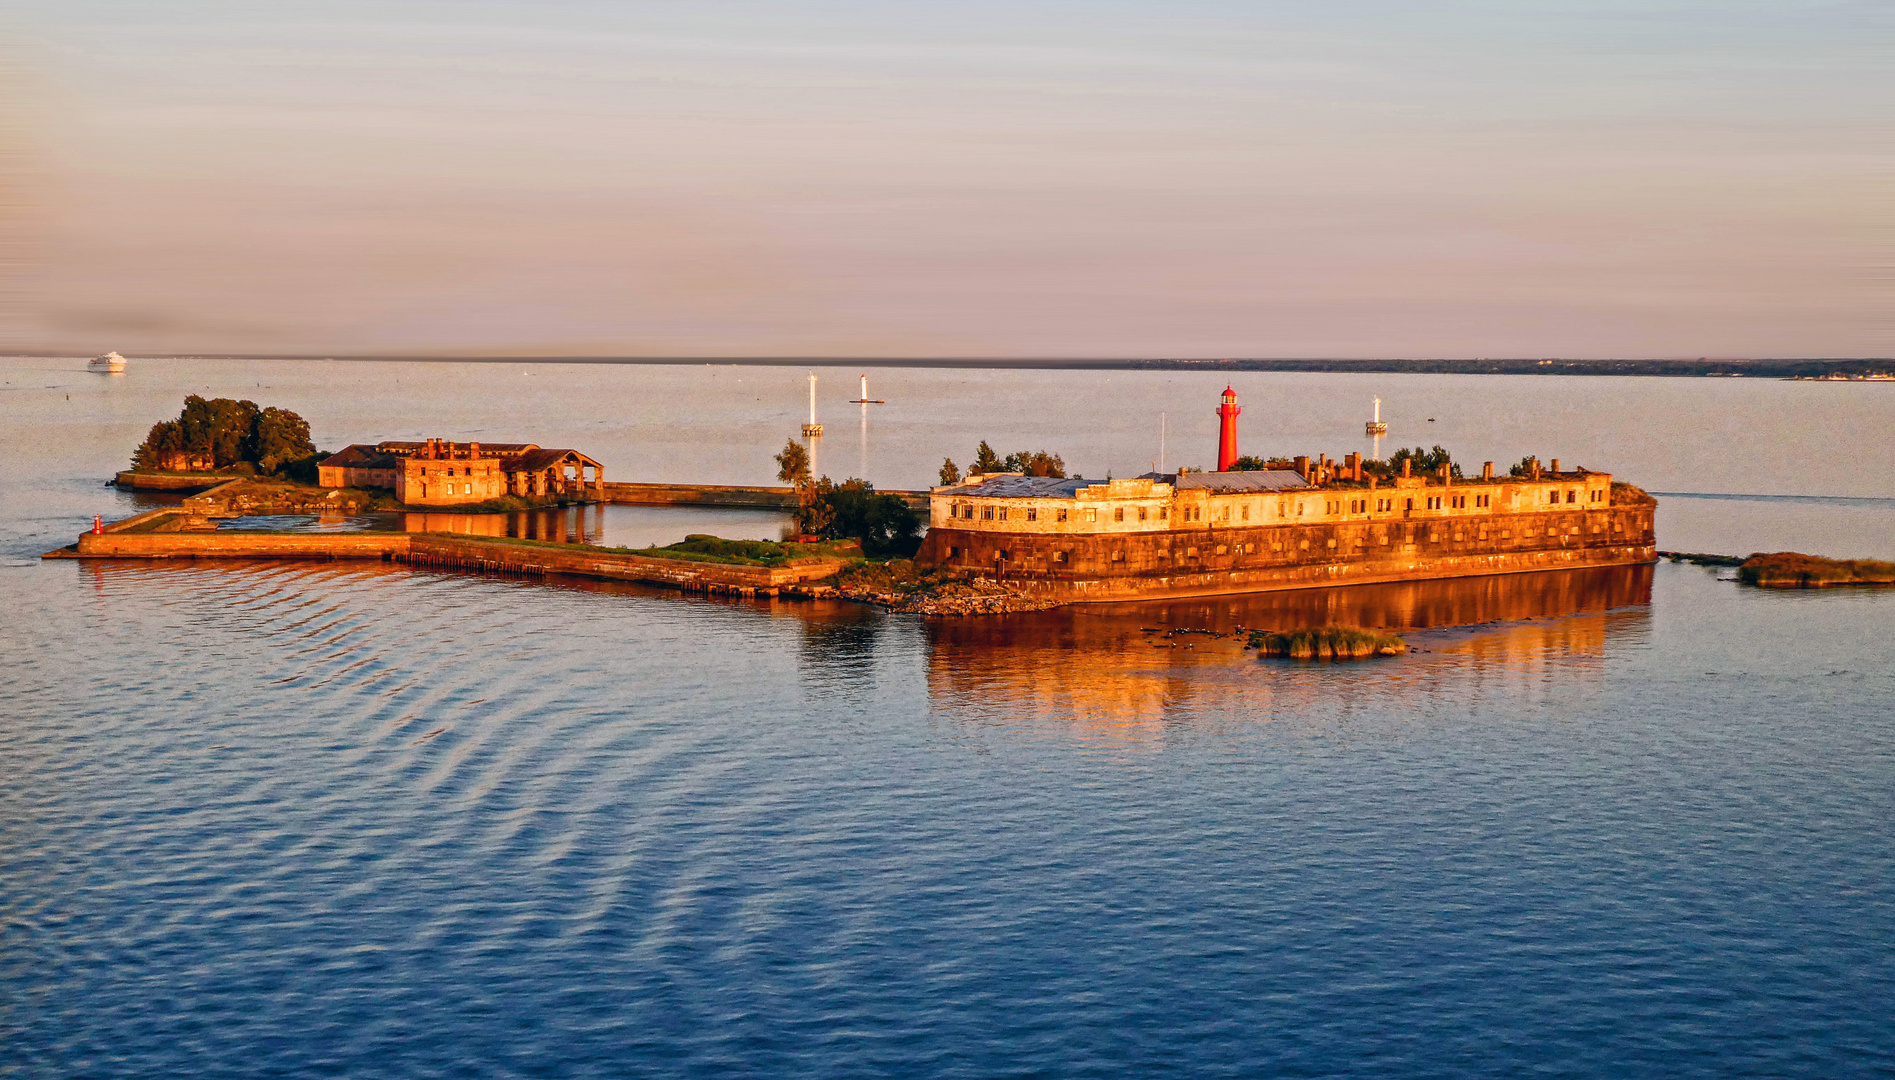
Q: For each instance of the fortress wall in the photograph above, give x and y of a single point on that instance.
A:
(769, 498)
(499, 556)
(1221, 559)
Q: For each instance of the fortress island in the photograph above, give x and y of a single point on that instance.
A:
(996, 541)
(1316, 523)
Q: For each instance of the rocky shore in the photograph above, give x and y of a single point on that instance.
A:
(899, 586)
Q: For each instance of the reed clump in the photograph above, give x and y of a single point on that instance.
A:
(1794, 570)
(1327, 643)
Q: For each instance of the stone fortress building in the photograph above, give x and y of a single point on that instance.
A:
(440, 472)
(1321, 522)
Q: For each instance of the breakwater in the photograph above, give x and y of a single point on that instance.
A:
(145, 537)
(762, 498)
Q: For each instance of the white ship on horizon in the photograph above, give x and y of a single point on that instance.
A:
(109, 364)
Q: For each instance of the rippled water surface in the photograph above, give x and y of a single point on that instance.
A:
(356, 820)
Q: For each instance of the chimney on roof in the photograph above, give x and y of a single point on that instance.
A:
(1355, 467)
(1533, 467)
(1408, 466)
(1447, 473)
(473, 449)
(1487, 470)
(1555, 466)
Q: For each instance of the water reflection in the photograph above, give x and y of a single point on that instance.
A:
(1126, 673)
(582, 524)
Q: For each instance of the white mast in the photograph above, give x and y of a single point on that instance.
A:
(812, 430)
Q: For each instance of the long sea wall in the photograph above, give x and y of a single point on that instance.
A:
(133, 539)
(763, 498)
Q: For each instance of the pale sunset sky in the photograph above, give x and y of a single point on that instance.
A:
(1031, 178)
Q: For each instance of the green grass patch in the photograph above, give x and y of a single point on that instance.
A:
(1793, 570)
(1327, 643)
(698, 547)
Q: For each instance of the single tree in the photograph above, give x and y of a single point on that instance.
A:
(793, 464)
(950, 475)
(985, 460)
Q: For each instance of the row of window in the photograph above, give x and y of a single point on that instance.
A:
(1332, 506)
(1090, 513)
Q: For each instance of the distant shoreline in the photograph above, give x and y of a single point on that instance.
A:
(1849, 369)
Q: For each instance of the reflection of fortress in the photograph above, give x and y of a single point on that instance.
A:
(1096, 668)
(1318, 523)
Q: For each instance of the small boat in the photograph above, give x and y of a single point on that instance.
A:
(109, 364)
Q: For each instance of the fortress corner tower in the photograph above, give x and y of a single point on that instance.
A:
(1227, 431)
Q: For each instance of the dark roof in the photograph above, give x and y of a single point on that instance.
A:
(1260, 480)
(1022, 487)
(360, 456)
(543, 459)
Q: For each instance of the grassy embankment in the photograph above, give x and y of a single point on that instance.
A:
(1327, 643)
(1793, 570)
(699, 547)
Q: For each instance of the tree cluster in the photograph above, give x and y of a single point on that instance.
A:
(1420, 461)
(218, 433)
(1252, 463)
(1025, 462)
(885, 523)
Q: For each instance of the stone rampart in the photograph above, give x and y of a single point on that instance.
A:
(500, 556)
(234, 544)
(1209, 560)
(765, 498)
(138, 480)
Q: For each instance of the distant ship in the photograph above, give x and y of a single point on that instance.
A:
(109, 364)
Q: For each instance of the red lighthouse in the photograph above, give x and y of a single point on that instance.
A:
(1227, 431)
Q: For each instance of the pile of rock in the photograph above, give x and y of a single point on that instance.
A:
(981, 596)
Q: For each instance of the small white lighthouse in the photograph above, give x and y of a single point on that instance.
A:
(865, 399)
(1375, 425)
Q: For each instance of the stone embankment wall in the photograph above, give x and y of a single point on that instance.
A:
(1208, 561)
(232, 544)
(130, 539)
(498, 556)
(763, 498)
(132, 479)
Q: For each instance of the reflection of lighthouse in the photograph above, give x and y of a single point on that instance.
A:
(1227, 431)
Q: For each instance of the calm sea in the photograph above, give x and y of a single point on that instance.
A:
(356, 820)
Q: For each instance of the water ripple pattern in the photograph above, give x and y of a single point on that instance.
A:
(358, 820)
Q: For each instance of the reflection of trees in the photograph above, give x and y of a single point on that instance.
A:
(1094, 669)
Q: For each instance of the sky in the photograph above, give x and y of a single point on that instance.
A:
(1023, 179)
